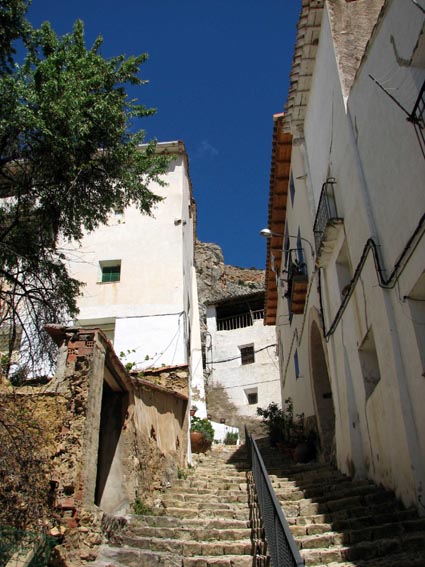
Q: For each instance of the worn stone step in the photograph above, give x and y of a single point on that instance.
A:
(365, 550)
(192, 533)
(204, 504)
(325, 493)
(173, 521)
(323, 490)
(110, 556)
(360, 522)
(343, 507)
(130, 557)
(226, 561)
(217, 491)
(239, 514)
(188, 548)
(208, 483)
(223, 496)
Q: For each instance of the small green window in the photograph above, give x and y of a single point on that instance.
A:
(111, 273)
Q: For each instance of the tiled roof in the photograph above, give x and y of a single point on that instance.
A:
(279, 182)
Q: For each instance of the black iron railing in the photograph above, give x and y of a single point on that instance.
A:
(280, 544)
(325, 211)
(417, 117)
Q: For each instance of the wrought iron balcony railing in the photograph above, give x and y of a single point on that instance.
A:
(327, 221)
(296, 278)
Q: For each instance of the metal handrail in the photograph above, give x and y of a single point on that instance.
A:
(281, 545)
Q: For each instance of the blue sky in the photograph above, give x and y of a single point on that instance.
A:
(217, 73)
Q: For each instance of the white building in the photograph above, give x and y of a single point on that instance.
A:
(240, 352)
(348, 255)
(140, 282)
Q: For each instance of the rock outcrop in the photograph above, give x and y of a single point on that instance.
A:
(216, 280)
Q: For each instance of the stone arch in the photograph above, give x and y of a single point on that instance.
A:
(322, 392)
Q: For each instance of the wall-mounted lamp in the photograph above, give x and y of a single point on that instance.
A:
(267, 233)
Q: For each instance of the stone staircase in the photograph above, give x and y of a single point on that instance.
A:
(339, 522)
(203, 520)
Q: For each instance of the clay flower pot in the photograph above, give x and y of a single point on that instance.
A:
(198, 442)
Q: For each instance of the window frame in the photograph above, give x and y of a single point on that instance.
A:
(247, 354)
(111, 268)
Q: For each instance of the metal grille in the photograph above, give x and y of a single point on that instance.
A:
(325, 211)
(239, 321)
(280, 544)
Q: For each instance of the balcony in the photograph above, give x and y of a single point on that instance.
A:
(240, 320)
(296, 278)
(327, 224)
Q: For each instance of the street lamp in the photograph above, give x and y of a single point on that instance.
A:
(267, 233)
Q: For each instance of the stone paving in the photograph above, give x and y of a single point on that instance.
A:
(203, 520)
(340, 522)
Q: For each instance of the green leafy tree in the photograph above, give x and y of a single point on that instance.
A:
(69, 156)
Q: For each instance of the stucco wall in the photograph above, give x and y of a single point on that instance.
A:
(373, 356)
(235, 378)
(152, 303)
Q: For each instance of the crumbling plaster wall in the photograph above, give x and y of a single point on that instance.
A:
(147, 449)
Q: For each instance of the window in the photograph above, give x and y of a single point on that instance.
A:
(247, 354)
(300, 252)
(296, 364)
(111, 271)
(252, 396)
(292, 189)
(369, 364)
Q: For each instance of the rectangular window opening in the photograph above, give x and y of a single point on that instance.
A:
(296, 364)
(111, 271)
(292, 189)
(247, 354)
(252, 396)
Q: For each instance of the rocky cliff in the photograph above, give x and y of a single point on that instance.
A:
(216, 280)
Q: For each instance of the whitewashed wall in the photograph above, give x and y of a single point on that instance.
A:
(373, 153)
(224, 360)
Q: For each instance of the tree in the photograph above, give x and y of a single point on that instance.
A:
(68, 158)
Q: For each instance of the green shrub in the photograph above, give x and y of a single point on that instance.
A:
(203, 426)
(231, 438)
(282, 425)
(140, 508)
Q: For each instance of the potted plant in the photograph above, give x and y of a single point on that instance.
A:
(193, 410)
(286, 432)
(201, 434)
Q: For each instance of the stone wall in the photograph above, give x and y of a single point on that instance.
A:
(118, 438)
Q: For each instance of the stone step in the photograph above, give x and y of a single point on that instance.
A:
(209, 483)
(173, 521)
(240, 514)
(324, 488)
(366, 529)
(326, 551)
(225, 561)
(188, 548)
(204, 504)
(326, 492)
(380, 501)
(130, 557)
(211, 496)
(192, 533)
(219, 492)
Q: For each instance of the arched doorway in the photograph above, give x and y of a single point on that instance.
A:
(322, 394)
